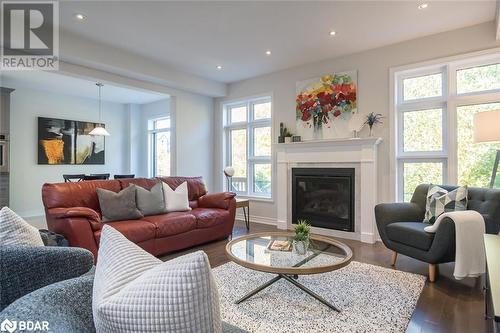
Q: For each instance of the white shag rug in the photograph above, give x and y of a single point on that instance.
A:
(371, 299)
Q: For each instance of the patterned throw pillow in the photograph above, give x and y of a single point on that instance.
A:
(440, 201)
(16, 231)
(134, 291)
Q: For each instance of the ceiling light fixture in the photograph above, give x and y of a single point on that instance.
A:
(80, 17)
(423, 5)
(333, 33)
(99, 130)
(219, 67)
(268, 52)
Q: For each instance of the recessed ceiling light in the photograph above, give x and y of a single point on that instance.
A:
(333, 33)
(268, 52)
(423, 5)
(80, 16)
(219, 67)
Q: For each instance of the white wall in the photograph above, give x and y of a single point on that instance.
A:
(373, 89)
(26, 176)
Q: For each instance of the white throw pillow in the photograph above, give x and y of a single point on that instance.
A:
(178, 200)
(16, 231)
(136, 292)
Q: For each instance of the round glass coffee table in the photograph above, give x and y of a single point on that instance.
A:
(257, 252)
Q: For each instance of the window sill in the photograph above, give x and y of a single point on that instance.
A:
(258, 199)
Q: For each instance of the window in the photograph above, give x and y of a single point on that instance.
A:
(248, 137)
(434, 115)
(159, 143)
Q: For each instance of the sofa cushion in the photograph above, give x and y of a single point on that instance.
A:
(196, 186)
(172, 223)
(118, 206)
(209, 217)
(440, 200)
(135, 230)
(81, 194)
(176, 200)
(150, 202)
(134, 291)
(411, 234)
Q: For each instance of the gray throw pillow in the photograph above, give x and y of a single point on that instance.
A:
(441, 201)
(150, 202)
(118, 206)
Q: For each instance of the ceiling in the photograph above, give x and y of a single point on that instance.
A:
(73, 86)
(197, 36)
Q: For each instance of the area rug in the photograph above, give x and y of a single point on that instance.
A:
(371, 299)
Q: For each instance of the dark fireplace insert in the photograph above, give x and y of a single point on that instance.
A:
(324, 197)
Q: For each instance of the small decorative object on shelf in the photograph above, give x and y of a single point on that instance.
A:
(372, 119)
(285, 134)
(281, 138)
(301, 237)
(296, 138)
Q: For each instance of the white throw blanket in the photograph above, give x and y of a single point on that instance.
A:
(470, 260)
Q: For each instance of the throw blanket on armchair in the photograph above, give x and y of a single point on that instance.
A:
(470, 258)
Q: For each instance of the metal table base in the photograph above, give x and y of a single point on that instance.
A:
(293, 280)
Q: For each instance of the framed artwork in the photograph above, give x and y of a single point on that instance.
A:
(63, 141)
(324, 106)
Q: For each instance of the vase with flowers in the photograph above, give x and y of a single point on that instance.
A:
(373, 119)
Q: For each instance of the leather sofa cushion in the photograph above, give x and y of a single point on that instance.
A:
(411, 234)
(146, 183)
(196, 186)
(172, 223)
(81, 194)
(208, 217)
(135, 230)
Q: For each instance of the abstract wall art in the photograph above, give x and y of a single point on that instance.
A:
(324, 106)
(63, 141)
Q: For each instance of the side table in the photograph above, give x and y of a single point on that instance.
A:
(245, 204)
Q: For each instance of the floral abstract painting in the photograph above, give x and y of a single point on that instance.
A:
(325, 105)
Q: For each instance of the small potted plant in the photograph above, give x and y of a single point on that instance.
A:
(372, 119)
(301, 238)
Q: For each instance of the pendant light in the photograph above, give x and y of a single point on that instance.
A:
(99, 130)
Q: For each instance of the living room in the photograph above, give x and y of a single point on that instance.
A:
(250, 166)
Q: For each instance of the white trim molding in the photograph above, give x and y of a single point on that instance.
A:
(358, 153)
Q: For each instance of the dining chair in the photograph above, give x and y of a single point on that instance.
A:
(73, 178)
(124, 176)
(97, 176)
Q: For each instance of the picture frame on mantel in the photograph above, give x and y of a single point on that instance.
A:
(325, 105)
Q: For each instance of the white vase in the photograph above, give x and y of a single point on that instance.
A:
(300, 247)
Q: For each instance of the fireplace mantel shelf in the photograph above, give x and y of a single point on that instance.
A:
(332, 142)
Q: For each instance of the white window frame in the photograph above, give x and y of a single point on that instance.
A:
(449, 102)
(152, 132)
(250, 124)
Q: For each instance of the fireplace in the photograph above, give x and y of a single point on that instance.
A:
(324, 197)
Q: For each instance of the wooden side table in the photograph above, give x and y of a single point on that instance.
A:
(245, 204)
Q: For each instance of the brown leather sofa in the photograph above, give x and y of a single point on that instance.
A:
(72, 209)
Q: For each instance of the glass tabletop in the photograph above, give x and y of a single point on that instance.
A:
(274, 252)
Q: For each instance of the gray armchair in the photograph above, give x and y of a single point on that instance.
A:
(401, 229)
(52, 284)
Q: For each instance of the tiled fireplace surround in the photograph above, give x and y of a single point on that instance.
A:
(360, 154)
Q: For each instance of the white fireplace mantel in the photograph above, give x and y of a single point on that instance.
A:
(338, 152)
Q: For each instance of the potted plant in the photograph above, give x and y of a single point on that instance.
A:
(372, 119)
(301, 238)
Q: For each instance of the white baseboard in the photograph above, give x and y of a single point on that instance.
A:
(257, 219)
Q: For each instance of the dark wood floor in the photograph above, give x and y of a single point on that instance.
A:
(447, 305)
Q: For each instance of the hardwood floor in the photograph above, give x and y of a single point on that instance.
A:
(446, 305)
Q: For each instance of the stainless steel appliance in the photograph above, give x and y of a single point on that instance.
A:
(4, 153)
